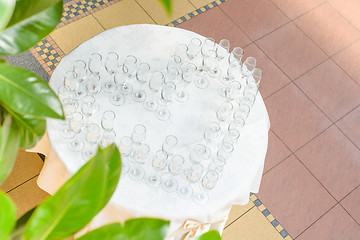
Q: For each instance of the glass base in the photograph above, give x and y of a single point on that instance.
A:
(136, 174)
(117, 99)
(151, 105)
(76, 145)
(185, 192)
(67, 133)
(153, 181)
(125, 89)
(139, 96)
(182, 96)
(201, 83)
(169, 185)
(162, 114)
(201, 198)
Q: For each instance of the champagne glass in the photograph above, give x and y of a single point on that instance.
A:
(138, 135)
(142, 75)
(225, 150)
(248, 66)
(176, 164)
(212, 132)
(209, 44)
(76, 122)
(80, 70)
(108, 138)
(131, 63)
(117, 98)
(93, 84)
(64, 93)
(194, 173)
(88, 106)
(159, 161)
(181, 51)
(169, 144)
(92, 134)
(210, 63)
(199, 153)
(126, 146)
(140, 154)
(209, 180)
(236, 56)
(108, 119)
(71, 80)
(223, 112)
(95, 63)
(255, 78)
(222, 49)
(194, 48)
(111, 62)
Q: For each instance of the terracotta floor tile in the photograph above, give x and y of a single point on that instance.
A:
(334, 160)
(294, 9)
(237, 211)
(294, 118)
(291, 50)
(253, 225)
(256, 18)
(331, 89)
(349, 60)
(158, 13)
(27, 165)
(27, 196)
(125, 12)
(328, 29)
(214, 23)
(351, 204)
(72, 35)
(334, 225)
(276, 152)
(273, 78)
(350, 125)
(349, 9)
(284, 193)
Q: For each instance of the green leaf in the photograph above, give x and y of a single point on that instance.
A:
(27, 94)
(31, 130)
(21, 224)
(108, 232)
(7, 216)
(167, 4)
(78, 200)
(9, 144)
(32, 21)
(145, 228)
(3, 60)
(210, 235)
(6, 10)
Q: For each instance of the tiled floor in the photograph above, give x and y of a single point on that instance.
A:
(309, 51)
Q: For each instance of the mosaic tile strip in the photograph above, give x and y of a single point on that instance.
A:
(195, 13)
(48, 54)
(269, 217)
(75, 9)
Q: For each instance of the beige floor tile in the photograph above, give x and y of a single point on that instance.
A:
(27, 196)
(27, 165)
(253, 225)
(237, 211)
(158, 13)
(200, 3)
(125, 12)
(73, 34)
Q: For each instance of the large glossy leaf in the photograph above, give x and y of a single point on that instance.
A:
(78, 200)
(145, 228)
(6, 10)
(108, 232)
(167, 5)
(9, 144)
(7, 216)
(210, 235)
(31, 130)
(32, 21)
(26, 93)
(133, 229)
(21, 224)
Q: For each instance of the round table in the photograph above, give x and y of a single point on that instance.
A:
(155, 44)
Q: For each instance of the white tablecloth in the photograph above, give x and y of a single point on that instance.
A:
(242, 173)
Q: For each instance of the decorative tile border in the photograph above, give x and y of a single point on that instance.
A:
(48, 54)
(195, 13)
(75, 9)
(269, 217)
